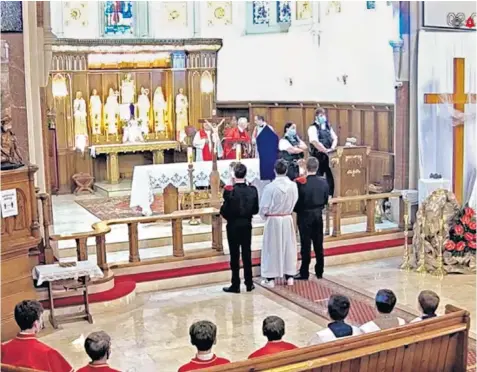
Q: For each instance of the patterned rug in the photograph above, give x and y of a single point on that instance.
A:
(313, 295)
(118, 207)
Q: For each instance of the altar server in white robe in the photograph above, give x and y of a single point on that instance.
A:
(385, 302)
(279, 251)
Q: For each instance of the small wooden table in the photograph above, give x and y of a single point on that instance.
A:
(82, 272)
(112, 151)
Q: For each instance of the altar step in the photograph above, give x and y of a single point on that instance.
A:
(123, 188)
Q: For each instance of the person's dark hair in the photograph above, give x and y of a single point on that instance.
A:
(320, 111)
(385, 301)
(240, 171)
(429, 301)
(287, 125)
(273, 328)
(97, 345)
(203, 334)
(312, 164)
(281, 166)
(260, 117)
(338, 307)
(27, 313)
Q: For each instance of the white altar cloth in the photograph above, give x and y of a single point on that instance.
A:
(428, 185)
(148, 179)
(51, 273)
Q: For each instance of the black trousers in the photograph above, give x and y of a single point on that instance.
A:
(239, 236)
(310, 226)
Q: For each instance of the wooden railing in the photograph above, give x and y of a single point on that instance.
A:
(102, 228)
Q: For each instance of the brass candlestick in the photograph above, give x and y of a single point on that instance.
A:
(439, 271)
(405, 261)
(193, 221)
(422, 256)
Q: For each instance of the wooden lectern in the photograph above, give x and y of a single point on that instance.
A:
(350, 167)
(20, 233)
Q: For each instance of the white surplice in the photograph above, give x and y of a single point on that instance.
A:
(279, 251)
(326, 335)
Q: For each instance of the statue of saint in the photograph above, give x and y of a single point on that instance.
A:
(160, 108)
(79, 114)
(111, 109)
(182, 106)
(132, 132)
(144, 106)
(95, 107)
(11, 158)
(127, 89)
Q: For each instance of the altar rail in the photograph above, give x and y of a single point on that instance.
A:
(102, 228)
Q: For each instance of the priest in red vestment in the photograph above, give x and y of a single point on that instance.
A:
(203, 336)
(98, 348)
(237, 137)
(273, 329)
(25, 350)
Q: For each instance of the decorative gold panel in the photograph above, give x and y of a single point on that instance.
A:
(174, 13)
(303, 10)
(219, 13)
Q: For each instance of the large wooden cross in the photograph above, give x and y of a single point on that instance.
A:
(458, 98)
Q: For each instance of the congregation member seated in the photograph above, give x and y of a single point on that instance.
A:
(338, 309)
(428, 302)
(98, 348)
(203, 336)
(385, 302)
(25, 350)
(273, 329)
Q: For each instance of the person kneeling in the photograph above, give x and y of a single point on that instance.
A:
(203, 336)
(98, 347)
(428, 302)
(385, 302)
(273, 329)
(338, 309)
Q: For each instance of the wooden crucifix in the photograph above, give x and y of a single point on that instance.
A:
(458, 98)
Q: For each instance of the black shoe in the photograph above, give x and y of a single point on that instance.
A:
(231, 289)
(250, 288)
(300, 277)
(319, 276)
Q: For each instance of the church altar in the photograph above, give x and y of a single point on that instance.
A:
(149, 178)
(112, 151)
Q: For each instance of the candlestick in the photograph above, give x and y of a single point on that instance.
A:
(406, 264)
(190, 157)
(238, 152)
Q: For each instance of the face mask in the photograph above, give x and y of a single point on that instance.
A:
(321, 119)
(291, 132)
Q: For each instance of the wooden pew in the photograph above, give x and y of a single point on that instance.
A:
(438, 344)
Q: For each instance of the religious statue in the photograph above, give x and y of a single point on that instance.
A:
(182, 106)
(95, 107)
(160, 107)
(111, 109)
(11, 158)
(127, 89)
(133, 132)
(79, 114)
(144, 106)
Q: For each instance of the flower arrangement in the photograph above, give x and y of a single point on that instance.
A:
(462, 234)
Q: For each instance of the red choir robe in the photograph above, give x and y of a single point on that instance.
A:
(206, 153)
(196, 364)
(27, 351)
(97, 368)
(272, 347)
(234, 136)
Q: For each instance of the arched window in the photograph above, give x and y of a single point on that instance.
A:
(124, 18)
(268, 16)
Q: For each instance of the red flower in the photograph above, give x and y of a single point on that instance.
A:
(449, 246)
(469, 236)
(472, 226)
(469, 212)
(465, 220)
(460, 247)
(472, 244)
(459, 230)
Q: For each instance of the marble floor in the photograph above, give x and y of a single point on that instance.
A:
(151, 334)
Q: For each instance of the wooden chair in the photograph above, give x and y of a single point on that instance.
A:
(83, 182)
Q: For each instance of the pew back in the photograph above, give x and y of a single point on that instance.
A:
(438, 344)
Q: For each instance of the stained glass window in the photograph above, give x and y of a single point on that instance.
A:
(370, 4)
(261, 13)
(119, 18)
(283, 12)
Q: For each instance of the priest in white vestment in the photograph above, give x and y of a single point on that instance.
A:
(279, 251)
(385, 302)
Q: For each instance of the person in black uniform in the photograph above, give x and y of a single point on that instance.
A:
(312, 198)
(240, 205)
(322, 140)
(291, 148)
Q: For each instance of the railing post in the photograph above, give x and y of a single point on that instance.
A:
(133, 242)
(217, 240)
(337, 219)
(370, 216)
(101, 258)
(82, 249)
(327, 219)
(401, 212)
(177, 239)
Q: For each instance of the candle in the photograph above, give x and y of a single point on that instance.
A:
(238, 153)
(190, 158)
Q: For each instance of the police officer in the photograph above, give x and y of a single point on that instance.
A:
(240, 205)
(312, 198)
(322, 140)
(291, 148)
